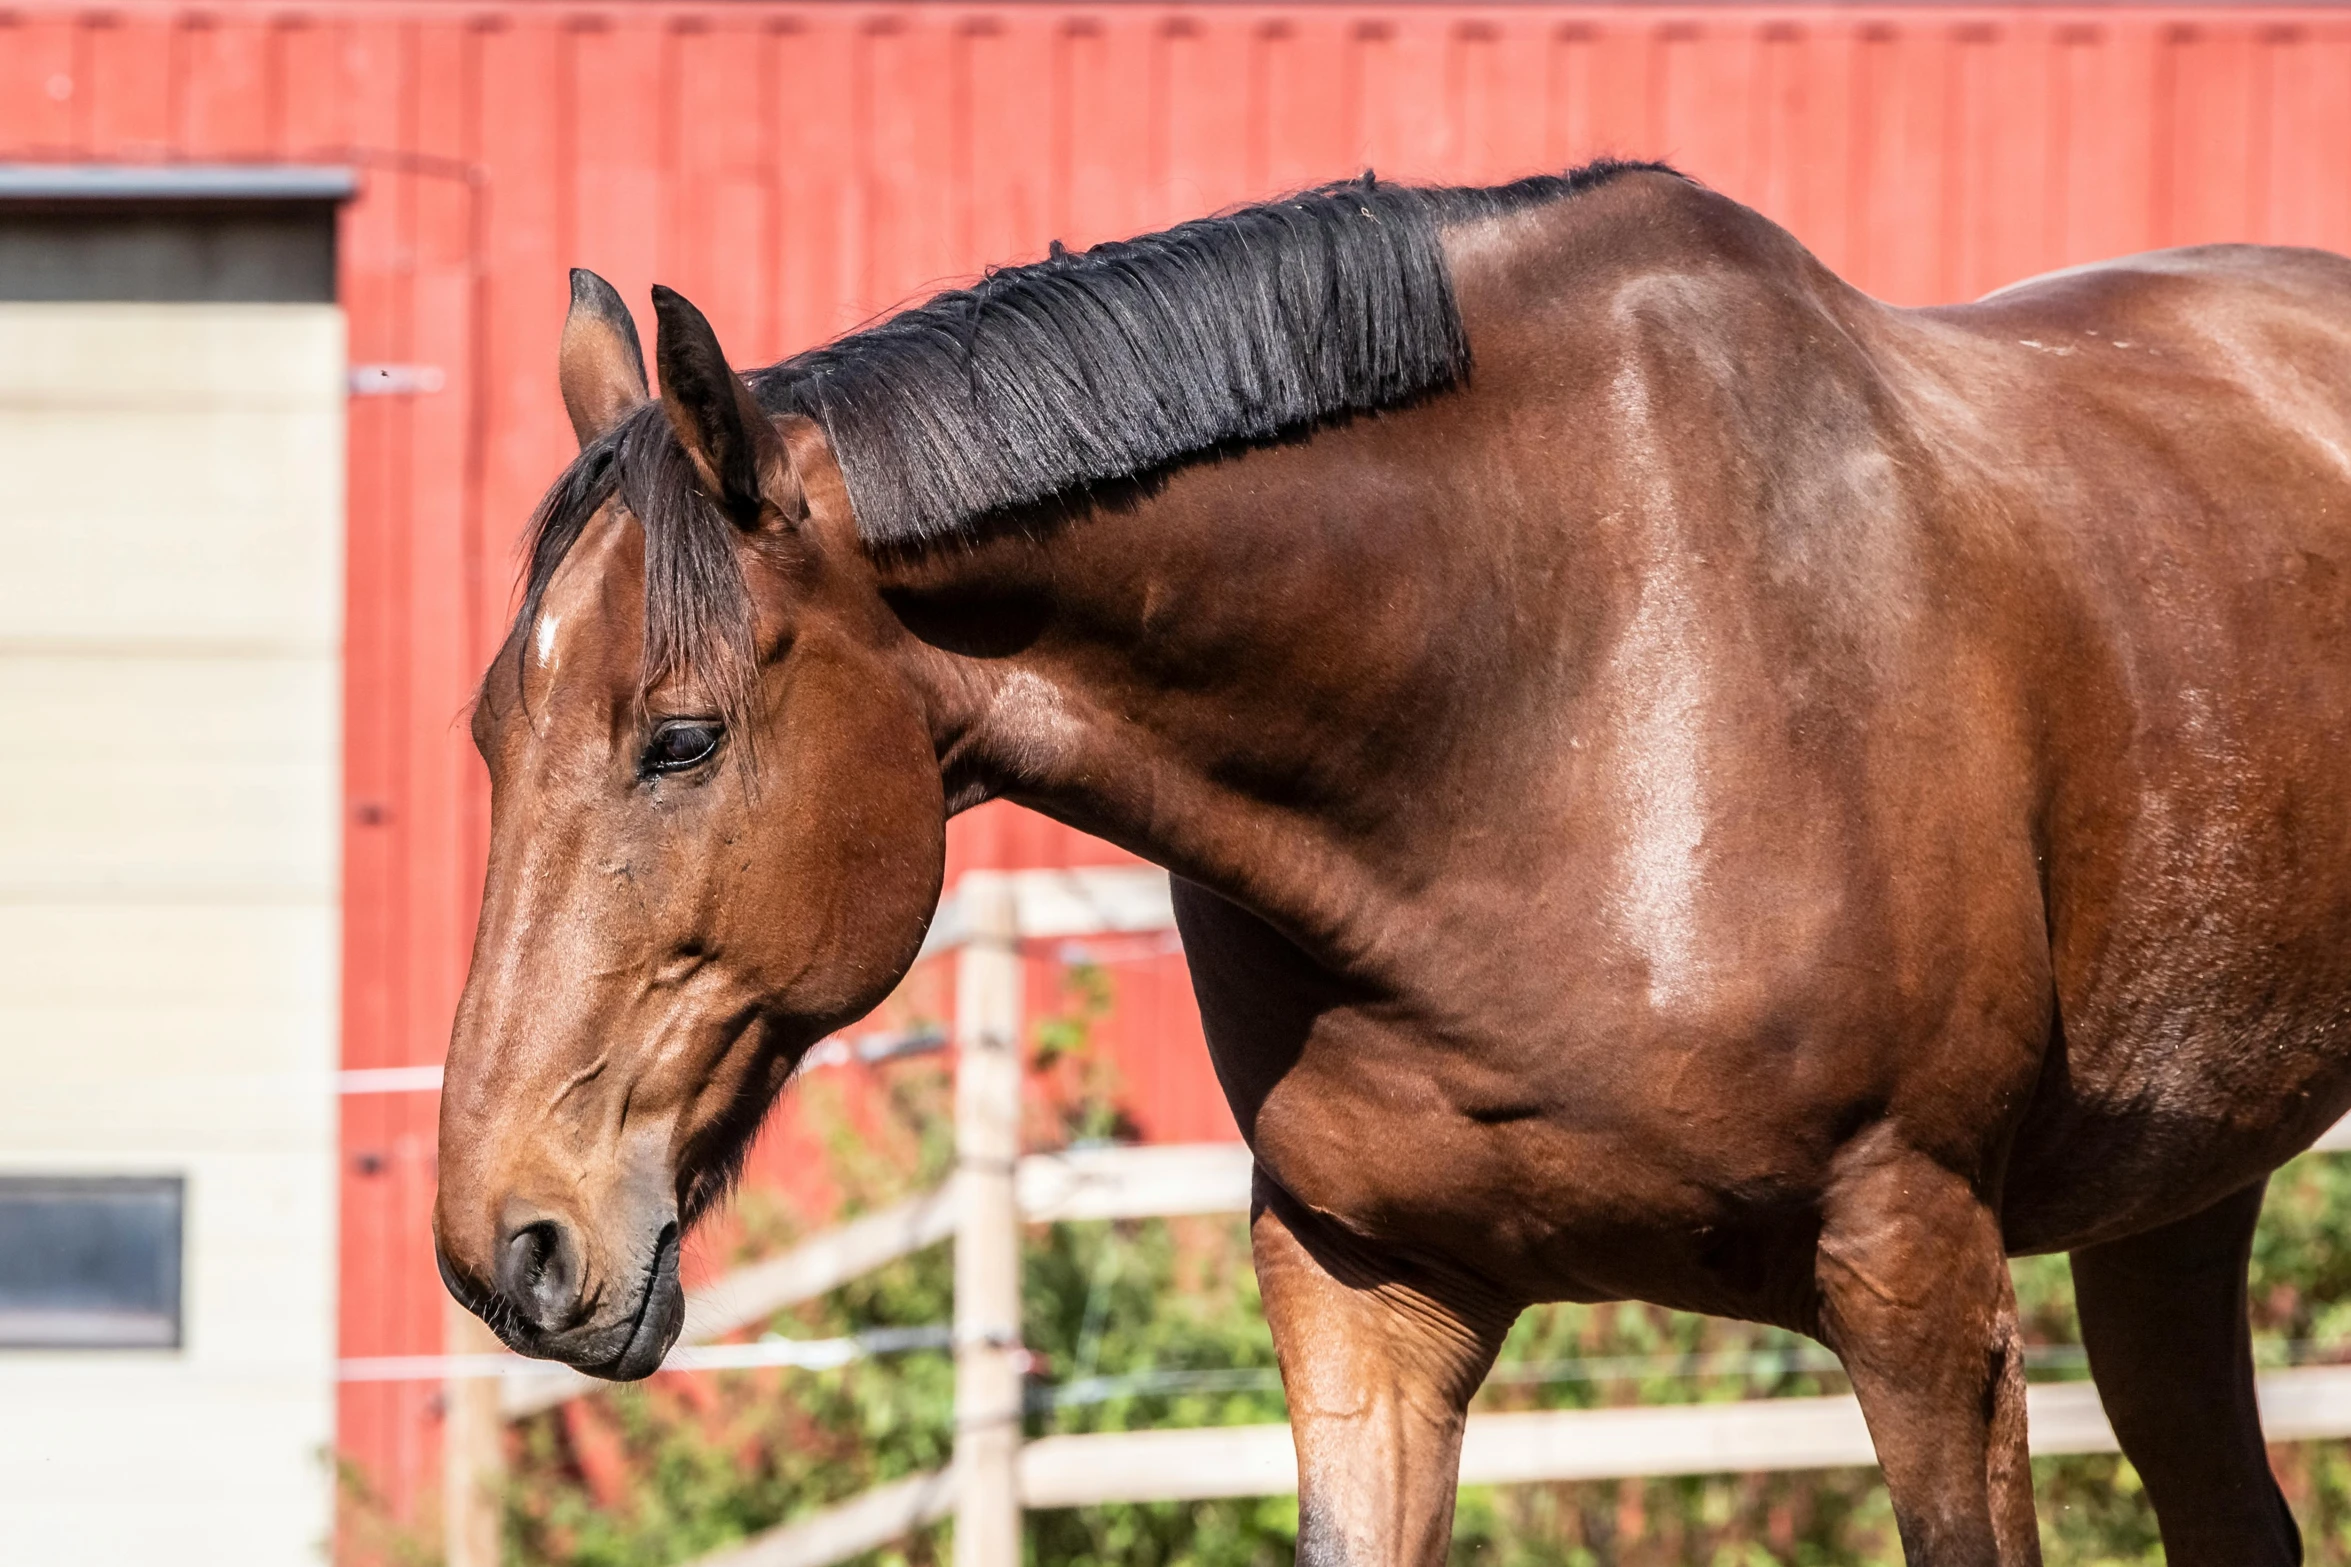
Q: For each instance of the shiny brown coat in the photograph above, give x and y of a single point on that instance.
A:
(1761, 802)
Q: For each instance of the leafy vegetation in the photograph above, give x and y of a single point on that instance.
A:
(1156, 1324)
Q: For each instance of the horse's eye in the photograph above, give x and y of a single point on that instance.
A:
(679, 744)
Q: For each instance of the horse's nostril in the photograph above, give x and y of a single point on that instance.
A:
(539, 1274)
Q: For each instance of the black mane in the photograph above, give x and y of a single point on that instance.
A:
(1083, 369)
(1104, 364)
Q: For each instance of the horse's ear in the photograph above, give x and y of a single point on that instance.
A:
(602, 364)
(733, 443)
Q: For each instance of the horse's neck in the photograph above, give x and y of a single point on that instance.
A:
(1303, 674)
(1243, 676)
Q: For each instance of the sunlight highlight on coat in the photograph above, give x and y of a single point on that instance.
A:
(1662, 770)
(1031, 721)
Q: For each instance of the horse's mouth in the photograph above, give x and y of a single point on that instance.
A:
(661, 1313)
(623, 1351)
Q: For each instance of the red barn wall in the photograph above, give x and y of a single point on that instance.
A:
(797, 168)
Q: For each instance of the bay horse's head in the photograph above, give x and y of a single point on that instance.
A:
(716, 832)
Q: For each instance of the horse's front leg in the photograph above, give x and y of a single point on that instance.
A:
(1915, 1298)
(1379, 1362)
(2164, 1318)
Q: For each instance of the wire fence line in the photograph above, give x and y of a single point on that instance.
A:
(1781, 1361)
(830, 1354)
(800, 1354)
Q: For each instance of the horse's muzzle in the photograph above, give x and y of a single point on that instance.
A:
(537, 1307)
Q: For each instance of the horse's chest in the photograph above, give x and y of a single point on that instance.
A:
(1558, 1192)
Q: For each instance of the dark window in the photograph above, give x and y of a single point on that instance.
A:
(180, 255)
(193, 234)
(90, 1262)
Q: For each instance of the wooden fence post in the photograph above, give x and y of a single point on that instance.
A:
(988, 1359)
(473, 1450)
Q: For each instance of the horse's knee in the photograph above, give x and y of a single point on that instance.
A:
(1914, 1296)
(1379, 1362)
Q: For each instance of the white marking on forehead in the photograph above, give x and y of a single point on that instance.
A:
(547, 629)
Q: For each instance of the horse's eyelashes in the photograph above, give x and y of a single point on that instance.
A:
(679, 744)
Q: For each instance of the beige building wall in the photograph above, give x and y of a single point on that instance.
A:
(171, 523)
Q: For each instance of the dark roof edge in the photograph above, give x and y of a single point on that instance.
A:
(184, 182)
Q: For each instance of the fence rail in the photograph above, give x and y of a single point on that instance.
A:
(1744, 1436)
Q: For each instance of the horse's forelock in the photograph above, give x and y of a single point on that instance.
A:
(698, 620)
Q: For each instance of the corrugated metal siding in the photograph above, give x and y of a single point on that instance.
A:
(797, 168)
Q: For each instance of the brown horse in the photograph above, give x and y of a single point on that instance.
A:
(1685, 784)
